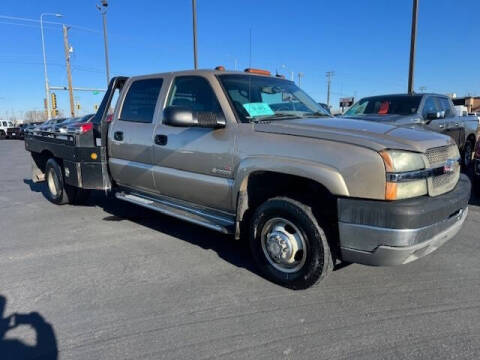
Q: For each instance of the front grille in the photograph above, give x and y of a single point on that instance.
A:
(437, 157)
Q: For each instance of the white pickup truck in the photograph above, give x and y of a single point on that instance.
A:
(8, 130)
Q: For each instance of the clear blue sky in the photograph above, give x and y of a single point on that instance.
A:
(366, 43)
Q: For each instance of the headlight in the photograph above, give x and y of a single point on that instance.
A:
(400, 161)
(397, 161)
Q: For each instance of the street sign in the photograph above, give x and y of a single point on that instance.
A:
(347, 102)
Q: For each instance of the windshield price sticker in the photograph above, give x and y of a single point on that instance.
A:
(258, 109)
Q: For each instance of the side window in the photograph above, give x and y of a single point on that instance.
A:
(430, 106)
(195, 93)
(445, 106)
(139, 104)
(4, 123)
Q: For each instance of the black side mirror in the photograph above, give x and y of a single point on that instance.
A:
(184, 117)
(432, 116)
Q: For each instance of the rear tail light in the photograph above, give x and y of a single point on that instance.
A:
(83, 128)
(109, 118)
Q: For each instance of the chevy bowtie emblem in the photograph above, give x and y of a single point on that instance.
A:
(449, 166)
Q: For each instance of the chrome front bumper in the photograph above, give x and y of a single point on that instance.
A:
(378, 246)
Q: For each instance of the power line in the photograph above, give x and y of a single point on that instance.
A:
(16, 18)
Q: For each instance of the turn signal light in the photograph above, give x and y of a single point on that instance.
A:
(257, 71)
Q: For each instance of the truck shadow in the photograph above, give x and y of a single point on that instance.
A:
(39, 187)
(14, 348)
(235, 252)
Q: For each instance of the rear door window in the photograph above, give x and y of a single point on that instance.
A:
(140, 101)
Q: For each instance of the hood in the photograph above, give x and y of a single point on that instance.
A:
(389, 118)
(373, 135)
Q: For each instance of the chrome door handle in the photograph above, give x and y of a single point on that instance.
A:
(441, 126)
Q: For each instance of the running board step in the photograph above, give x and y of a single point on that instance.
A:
(209, 220)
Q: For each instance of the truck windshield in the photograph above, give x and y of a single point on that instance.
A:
(386, 105)
(258, 98)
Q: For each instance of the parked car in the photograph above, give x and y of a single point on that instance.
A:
(252, 155)
(476, 169)
(50, 125)
(8, 130)
(67, 125)
(429, 111)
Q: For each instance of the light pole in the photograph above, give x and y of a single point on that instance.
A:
(103, 10)
(194, 12)
(235, 61)
(300, 75)
(413, 39)
(47, 91)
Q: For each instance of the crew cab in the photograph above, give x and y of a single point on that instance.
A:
(431, 111)
(252, 155)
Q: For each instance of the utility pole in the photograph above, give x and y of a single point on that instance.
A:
(47, 91)
(329, 82)
(413, 46)
(103, 10)
(300, 75)
(194, 11)
(69, 71)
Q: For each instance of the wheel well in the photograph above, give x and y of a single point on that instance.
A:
(263, 185)
(41, 159)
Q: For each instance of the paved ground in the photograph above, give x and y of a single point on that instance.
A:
(114, 281)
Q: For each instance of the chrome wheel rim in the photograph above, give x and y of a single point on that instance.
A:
(52, 183)
(283, 245)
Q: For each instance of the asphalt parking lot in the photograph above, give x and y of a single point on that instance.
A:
(110, 280)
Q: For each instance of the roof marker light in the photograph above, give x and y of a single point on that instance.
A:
(257, 71)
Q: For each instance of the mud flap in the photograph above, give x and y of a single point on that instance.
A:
(37, 174)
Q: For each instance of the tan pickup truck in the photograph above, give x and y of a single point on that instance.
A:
(252, 155)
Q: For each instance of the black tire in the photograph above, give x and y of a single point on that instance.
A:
(467, 155)
(57, 191)
(476, 184)
(317, 262)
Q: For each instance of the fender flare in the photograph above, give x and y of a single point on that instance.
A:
(326, 176)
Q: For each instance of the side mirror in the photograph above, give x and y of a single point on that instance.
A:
(432, 116)
(184, 117)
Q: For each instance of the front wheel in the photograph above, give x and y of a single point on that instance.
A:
(288, 245)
